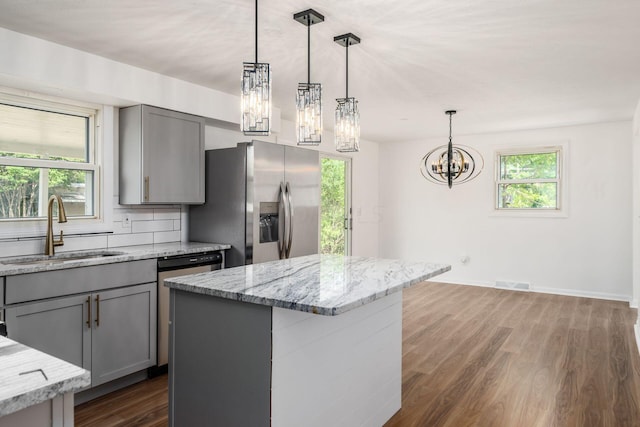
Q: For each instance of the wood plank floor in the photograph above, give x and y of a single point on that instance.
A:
(480, 357)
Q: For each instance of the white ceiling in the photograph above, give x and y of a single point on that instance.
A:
(503, 64)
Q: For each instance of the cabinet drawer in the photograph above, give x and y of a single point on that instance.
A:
(50, 284)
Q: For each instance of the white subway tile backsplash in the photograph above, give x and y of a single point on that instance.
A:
(147, 225)
(150, 226)
(118, 214)
(160, 214)
(141, 215)
(82, 243)
(21, 247)
(166, 236)
(119, 228)
(116, 240)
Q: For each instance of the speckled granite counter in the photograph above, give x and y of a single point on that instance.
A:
(250, 340)
(29, 377)
(63, 260)
(319, 284)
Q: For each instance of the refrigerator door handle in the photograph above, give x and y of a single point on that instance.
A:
(290, 203)
(282, 202)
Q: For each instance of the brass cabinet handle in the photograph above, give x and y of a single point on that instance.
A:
(89, 313)
(146, 188)
(97, 310)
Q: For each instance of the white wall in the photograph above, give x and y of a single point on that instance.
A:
(586, 253)
(636, 207)
(364, 178)
(39, 65)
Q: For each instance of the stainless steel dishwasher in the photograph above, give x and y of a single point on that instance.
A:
(174, 266)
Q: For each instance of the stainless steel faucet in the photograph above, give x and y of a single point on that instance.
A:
(50, 242)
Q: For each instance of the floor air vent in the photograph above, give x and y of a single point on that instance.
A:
(514, 286)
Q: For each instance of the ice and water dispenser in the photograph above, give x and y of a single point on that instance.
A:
(269, 221)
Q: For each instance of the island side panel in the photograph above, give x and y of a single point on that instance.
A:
(343, 370)
(219, 361)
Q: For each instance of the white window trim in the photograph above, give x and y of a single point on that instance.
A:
(563, 183)
(103, 139)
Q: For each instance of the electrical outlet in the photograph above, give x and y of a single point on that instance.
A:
(126, 221)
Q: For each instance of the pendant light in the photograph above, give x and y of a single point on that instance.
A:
(309, 95)
(256, 94)
(449, 164)
(347, 126)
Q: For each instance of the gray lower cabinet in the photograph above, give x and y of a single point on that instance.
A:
(112, 333)
(56, 326)
(124, 332)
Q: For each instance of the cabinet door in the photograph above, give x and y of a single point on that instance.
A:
(124, 332)
(57, 327)
(172, 156)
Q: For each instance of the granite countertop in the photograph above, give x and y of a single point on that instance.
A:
(319, 284)
(62, 260)
(29, 377)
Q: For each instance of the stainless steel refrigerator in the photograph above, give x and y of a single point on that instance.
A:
(263, 199)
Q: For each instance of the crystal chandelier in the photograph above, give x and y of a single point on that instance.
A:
(449, 164)
(347, 127)
(256, 94)
(309, 95)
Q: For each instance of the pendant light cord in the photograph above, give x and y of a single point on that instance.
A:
(309, 52)
(256, 31)
(450, 127)
(347, 70)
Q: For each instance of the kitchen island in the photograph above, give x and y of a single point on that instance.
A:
(314, 340)
(36, 389)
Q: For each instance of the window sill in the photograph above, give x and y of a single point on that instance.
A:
(530, 213)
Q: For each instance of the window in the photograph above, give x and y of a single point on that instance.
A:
(47, 148)
(529, 179)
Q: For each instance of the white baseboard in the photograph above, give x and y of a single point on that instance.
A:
(462, 282)
(554, 291)
(583, 294)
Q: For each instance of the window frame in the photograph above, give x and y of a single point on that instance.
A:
(99, 146)
(561, 209)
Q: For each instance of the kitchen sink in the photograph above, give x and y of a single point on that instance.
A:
(60, 258)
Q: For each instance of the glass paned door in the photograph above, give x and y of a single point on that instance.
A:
(335, 205)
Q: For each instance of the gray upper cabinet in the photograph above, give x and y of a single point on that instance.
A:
(161, 156)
